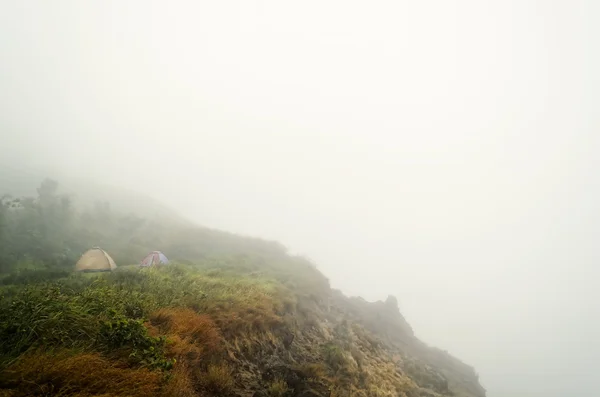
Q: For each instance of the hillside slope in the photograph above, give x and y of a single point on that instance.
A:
(236, 316)
(215, 332)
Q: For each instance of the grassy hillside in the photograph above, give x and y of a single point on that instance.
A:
(233, 316)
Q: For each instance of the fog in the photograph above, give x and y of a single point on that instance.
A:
(444, 152)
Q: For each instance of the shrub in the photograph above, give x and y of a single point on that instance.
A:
(131, 333)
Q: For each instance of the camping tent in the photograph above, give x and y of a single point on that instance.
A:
(95, 260)
(154, 258)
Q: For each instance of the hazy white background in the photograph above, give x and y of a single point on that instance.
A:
(442, 151)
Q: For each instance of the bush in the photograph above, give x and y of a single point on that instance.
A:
(123, 332)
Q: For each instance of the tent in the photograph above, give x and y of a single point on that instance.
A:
(95, 260)
(155, 258)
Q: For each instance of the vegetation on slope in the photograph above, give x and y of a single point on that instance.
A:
(234, 317)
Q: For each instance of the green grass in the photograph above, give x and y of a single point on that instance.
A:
(137, 316)
(74, 311)
(187, 330)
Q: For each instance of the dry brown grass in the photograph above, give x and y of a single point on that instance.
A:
(314, 370)
(82, 374)
(247, 319)
(190, 333)
(217, 379)
(183, 349)
(180, 383)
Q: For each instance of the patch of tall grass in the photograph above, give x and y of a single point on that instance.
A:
(107, 311)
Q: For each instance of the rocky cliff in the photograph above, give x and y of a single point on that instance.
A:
(334, 345)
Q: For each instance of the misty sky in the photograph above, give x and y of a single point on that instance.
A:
(441, 151)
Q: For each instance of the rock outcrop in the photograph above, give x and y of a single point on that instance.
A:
(350, 347)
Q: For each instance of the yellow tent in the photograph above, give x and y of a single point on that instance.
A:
(95, 260)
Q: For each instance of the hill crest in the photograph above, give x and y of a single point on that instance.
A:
(237, 316)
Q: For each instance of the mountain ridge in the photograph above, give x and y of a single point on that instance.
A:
(281, 329)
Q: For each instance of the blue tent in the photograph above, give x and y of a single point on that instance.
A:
(155, 258)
